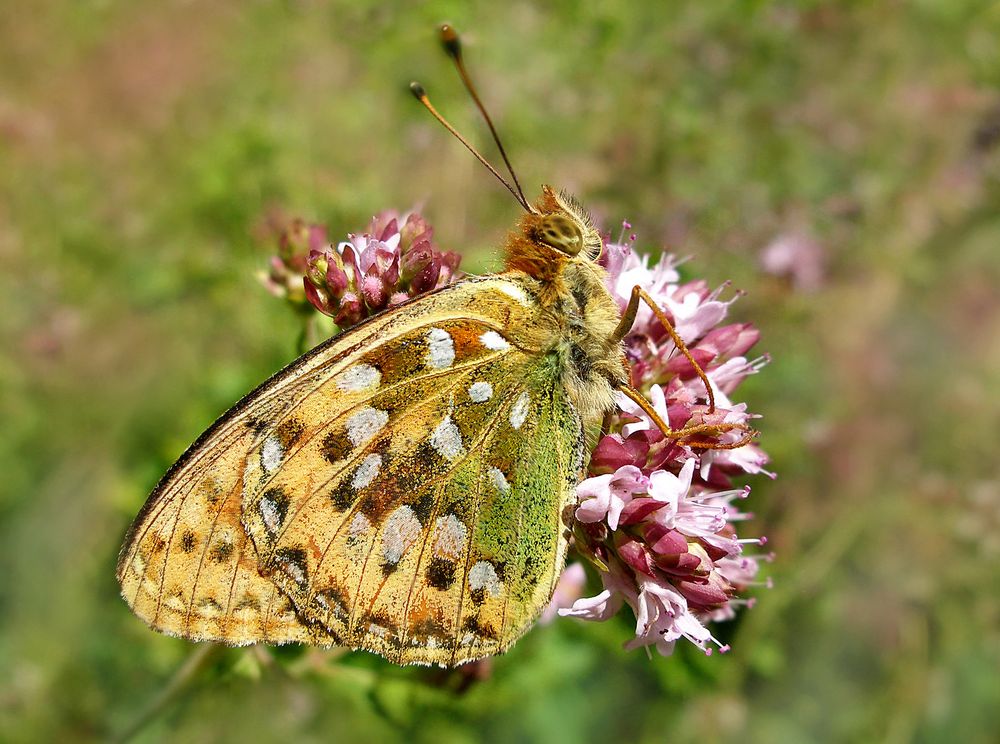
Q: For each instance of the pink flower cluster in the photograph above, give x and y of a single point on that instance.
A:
(656, 516)
(286, 270)
(393, 260)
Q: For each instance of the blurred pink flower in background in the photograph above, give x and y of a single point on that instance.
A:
(797, 257)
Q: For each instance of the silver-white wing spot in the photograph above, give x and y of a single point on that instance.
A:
(450, 536)
(512, 290)
(494, 341)
(365, 424)
(366, 471)
(270, 513)
(293, 568)
(271, 454)
(519, 412)
(401, 529)
(359, 377)
(499, 480)
(480, 392)
(440, 348)
(483, 575)
(447, 439)
(359, 525)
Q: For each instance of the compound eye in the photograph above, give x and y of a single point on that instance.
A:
(560, 232)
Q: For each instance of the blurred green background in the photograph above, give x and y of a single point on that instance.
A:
(144, 147)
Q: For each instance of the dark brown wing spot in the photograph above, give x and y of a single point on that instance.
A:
(474, 625)
(336, 446)
(441, 573)
(156, 544)
(343, 496)
(423, 507)
(389, 568)
(292, 563)
(471, 624)
(289, 431)
(188, 541)
(210, 605)
(500, 567)
(248, 602)
(383, 620)
(273, 508)
(400, 362)
(379, 500)
(429, 626)
(221, 551)
(256, 425)
(331, 600)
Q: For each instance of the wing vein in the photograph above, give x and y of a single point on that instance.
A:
(353, 458)
(486, 430)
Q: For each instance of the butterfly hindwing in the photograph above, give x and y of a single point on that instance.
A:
(188, 568)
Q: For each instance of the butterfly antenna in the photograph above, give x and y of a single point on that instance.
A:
(453, 48)
(421, 95)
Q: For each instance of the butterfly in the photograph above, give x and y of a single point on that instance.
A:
(408, 486)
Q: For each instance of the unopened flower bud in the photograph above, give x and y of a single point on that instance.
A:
(664, 540)
(704, 594)
(636, 555)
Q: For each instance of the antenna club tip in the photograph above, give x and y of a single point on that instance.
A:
(418, 90)
(450, 41)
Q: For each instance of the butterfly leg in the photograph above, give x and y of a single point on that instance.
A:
(628, 320)
(624, 326)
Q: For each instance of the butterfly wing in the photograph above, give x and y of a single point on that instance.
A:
(188, 568)
(288, 448)
(423, 519)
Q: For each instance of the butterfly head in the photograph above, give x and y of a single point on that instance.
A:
(561, 223)
(555, 233)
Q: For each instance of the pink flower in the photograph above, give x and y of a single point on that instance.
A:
(661, 617)
(657, 516)
(568, 590)
(606, 495)
(392, 262)
(617, 590)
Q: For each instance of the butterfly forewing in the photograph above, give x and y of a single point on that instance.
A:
(402, 485)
